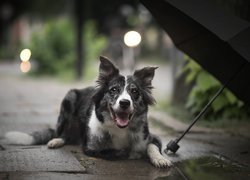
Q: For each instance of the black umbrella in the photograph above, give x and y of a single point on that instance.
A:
(218, 41)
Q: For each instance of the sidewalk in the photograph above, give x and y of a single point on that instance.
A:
(32, 104)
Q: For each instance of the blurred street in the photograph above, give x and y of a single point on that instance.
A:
(46, 50)
(29, 104)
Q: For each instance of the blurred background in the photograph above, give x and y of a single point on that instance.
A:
(62, 40)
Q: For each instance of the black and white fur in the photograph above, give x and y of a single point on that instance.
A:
(109, 121)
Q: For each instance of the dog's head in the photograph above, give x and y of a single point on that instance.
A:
(118, 98)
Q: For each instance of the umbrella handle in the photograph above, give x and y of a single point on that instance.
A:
(173, 144)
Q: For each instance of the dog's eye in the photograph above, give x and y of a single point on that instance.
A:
(113, 89)
(134, 91)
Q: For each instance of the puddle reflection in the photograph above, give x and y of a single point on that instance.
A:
(209, 168)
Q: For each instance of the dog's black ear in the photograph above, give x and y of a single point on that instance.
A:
(145, 76)
(106, 70)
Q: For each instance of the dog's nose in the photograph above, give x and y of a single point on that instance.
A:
(124, 103)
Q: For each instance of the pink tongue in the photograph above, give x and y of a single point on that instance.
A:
(121, 122)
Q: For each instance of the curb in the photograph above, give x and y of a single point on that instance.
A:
(176, 125)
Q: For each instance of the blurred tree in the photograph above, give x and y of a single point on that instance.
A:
(79, 7)
(53, 47)
(107, 14)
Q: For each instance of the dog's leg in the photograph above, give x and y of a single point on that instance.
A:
(56, 143)
(156, 157)
(154, 153)
(64, 120)
(66, 112)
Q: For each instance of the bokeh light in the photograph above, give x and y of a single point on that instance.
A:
(132, 38)
(25, 55)
(25, 66)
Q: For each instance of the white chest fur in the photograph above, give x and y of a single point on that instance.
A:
(95, 125)
(119, 137)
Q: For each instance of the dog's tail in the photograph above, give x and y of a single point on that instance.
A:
(35, 138)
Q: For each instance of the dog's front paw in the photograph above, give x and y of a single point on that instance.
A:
(156, 157)
(160, 162)
(55, 143)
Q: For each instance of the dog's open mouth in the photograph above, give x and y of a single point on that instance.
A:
(121, 118)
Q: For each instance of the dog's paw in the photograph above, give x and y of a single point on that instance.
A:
(156, 157)
(161, 162)
(55, 143)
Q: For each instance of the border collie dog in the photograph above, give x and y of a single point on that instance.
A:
(109, 120)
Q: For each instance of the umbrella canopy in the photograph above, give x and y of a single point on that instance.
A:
(218, 41)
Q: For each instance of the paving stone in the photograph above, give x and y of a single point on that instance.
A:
(67, 176)
(122, 169)
(38, 158)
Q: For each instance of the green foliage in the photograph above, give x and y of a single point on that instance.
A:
(225, 106)
(94, 44)
(6, 53)
(53, 48)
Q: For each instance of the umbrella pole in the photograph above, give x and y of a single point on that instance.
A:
(173, 144)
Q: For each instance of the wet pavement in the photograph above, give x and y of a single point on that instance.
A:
(30, 104)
